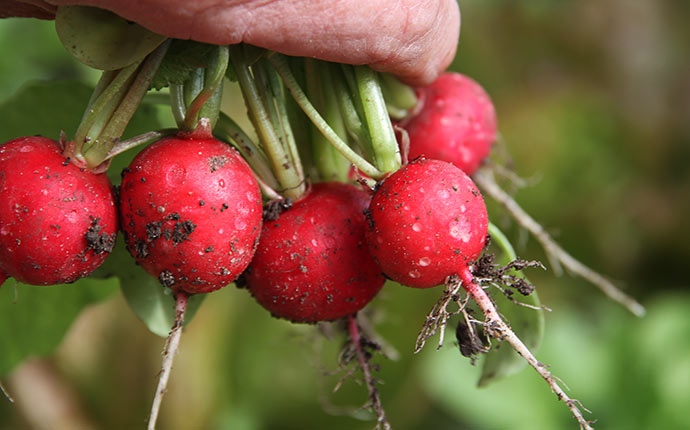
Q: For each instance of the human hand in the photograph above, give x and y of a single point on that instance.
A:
(412, 39)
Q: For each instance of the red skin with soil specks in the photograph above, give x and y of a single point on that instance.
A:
(426, 221)
(457, 122)
(58, 222)
(312, 263)
(191, 212)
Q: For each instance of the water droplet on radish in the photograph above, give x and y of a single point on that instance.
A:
(242, 209)
(175, 175)
(414, 274)
(424, 261)
(26, 148)
(221, 183)
(417, 227)
(460, 230)
(72, 216)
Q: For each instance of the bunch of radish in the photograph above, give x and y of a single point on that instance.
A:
(312, 229)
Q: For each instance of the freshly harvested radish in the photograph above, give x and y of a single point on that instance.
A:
(456, 122)
(427, 221)
(58, 222)
(312, 263)
(191, 212)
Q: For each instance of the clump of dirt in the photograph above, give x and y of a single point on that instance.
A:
(216, 162)
(97, 241)
(274, 208)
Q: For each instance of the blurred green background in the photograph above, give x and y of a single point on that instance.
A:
(593, 101)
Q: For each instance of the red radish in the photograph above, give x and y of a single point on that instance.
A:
(312, 263)
(456, 122)
(426, 221)
(191, 212)
(58, 222)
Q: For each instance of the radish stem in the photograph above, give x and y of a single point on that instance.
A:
(280, 63)
(206, 102)
(291, 182)
(386, 151)
(331, 165)
(229, 130)
(126, 100)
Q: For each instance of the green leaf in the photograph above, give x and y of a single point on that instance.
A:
(43, 108)
(101, 39)
(34, 319)
(152, 303)
(526, 322)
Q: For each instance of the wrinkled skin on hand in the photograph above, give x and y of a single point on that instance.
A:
(413, 39)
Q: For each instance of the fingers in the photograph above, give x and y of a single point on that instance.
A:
(413, 39)
(26, 9)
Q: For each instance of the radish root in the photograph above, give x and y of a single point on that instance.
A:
(495, 327)
(358, 344)
(6, 393)
(171, 346)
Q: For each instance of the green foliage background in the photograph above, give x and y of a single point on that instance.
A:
(593, 100)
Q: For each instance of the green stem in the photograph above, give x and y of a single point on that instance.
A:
(177, 104)
(117, 124)
(92, 136)
(230, 131)
(207, 101)
(103, 83)
(400, 98)
(290, 181)
(331, 165)
(350, 114)
(387, 153)
(97, 108)
(141, 139)
(280, 63)
(282, 118)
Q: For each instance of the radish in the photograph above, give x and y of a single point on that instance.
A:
(456, 122)
(58, 222)
(427, 221)
(312, 263)
(191, 212)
